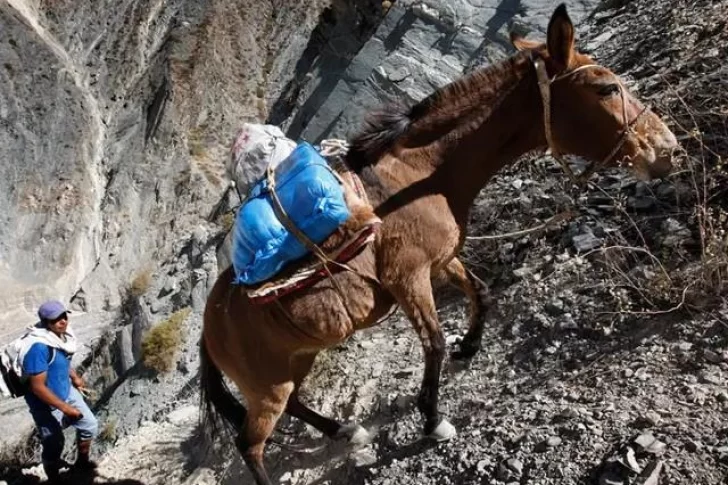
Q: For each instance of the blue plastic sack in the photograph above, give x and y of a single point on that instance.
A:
(312, 197)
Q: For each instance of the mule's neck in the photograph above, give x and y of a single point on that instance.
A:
(477, 151)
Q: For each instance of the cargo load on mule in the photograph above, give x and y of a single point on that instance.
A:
(303, 214)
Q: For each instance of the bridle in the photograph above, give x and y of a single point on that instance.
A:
(544, 85)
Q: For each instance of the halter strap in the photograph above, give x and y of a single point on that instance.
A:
(544, 85)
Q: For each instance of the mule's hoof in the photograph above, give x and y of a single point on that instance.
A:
(465, 350)
(444, 431)
(355, 435)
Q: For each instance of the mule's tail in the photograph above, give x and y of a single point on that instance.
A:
(216, 400)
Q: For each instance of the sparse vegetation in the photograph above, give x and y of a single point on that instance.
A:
(227, 221)
(108, 432)
(18, 456)
(141, 282)
(161, 343)
(196, 142)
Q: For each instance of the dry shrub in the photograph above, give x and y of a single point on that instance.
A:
(108, 432)
(227, 221)
(19, 456)
(161, 343)
(196, 142)
(681, 63)
(141, 282)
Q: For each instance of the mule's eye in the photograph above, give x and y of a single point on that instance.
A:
(608, 90)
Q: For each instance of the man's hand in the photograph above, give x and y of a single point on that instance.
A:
(77, 381)
(71, 413)
(39, 388)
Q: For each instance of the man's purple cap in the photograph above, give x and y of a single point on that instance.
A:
(51, 310)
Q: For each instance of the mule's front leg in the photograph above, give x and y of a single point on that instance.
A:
(415, 298)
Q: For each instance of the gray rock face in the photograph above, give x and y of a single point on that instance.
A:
(419, 47)
(115, 121)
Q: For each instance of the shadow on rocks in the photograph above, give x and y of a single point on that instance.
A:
(69, 477)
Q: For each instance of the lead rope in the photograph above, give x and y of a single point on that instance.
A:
(544, 86)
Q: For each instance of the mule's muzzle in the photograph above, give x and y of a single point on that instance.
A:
(654, 146)
(663, 146)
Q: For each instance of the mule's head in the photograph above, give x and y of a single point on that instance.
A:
(592, 113)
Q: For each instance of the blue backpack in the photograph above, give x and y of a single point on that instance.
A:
(313, 198)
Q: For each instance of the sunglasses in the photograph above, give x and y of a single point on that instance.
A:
(62, 316)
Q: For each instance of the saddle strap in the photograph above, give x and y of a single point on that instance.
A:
(310, 245)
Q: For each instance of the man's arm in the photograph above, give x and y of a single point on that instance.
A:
(39, 388)
(77, 380)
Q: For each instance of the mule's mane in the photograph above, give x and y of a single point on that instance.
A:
(438, 114)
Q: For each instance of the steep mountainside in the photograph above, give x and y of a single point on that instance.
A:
(116, 119)
(606, 349)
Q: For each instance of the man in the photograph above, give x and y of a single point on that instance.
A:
(53, 397)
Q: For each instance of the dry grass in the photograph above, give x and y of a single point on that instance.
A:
(689, 92)
(227, 221)
(141, 282)
(17, 457)
(108, 432)
(196, 143)
(161, 344)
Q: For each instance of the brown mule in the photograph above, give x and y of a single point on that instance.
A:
(422, 168)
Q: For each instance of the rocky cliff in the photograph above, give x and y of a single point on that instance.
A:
(115, 124)
(116, 120)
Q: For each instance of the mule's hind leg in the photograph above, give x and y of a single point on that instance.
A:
(262, 416)
(355, 434)
(414, 294)
(475, 292)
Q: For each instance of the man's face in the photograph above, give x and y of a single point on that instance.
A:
(59, 324)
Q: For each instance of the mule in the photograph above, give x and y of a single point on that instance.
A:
(422, 167)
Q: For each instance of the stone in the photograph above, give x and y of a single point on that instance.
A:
(712, 357)
(125, 346)
(708, 377)
(650, 444)
(515, 465)
(554, 307)
(693, 446)
(629, 460)
(585, 242)
(399, 75)
(522, 272)
(364, 457)
(553, 441)
(183, 415)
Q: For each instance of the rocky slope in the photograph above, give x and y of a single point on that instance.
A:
(606, 349)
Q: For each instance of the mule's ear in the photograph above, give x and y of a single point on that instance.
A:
(521, 43)
(561, 38)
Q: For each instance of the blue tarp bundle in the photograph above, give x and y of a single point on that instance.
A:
(312, 197)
